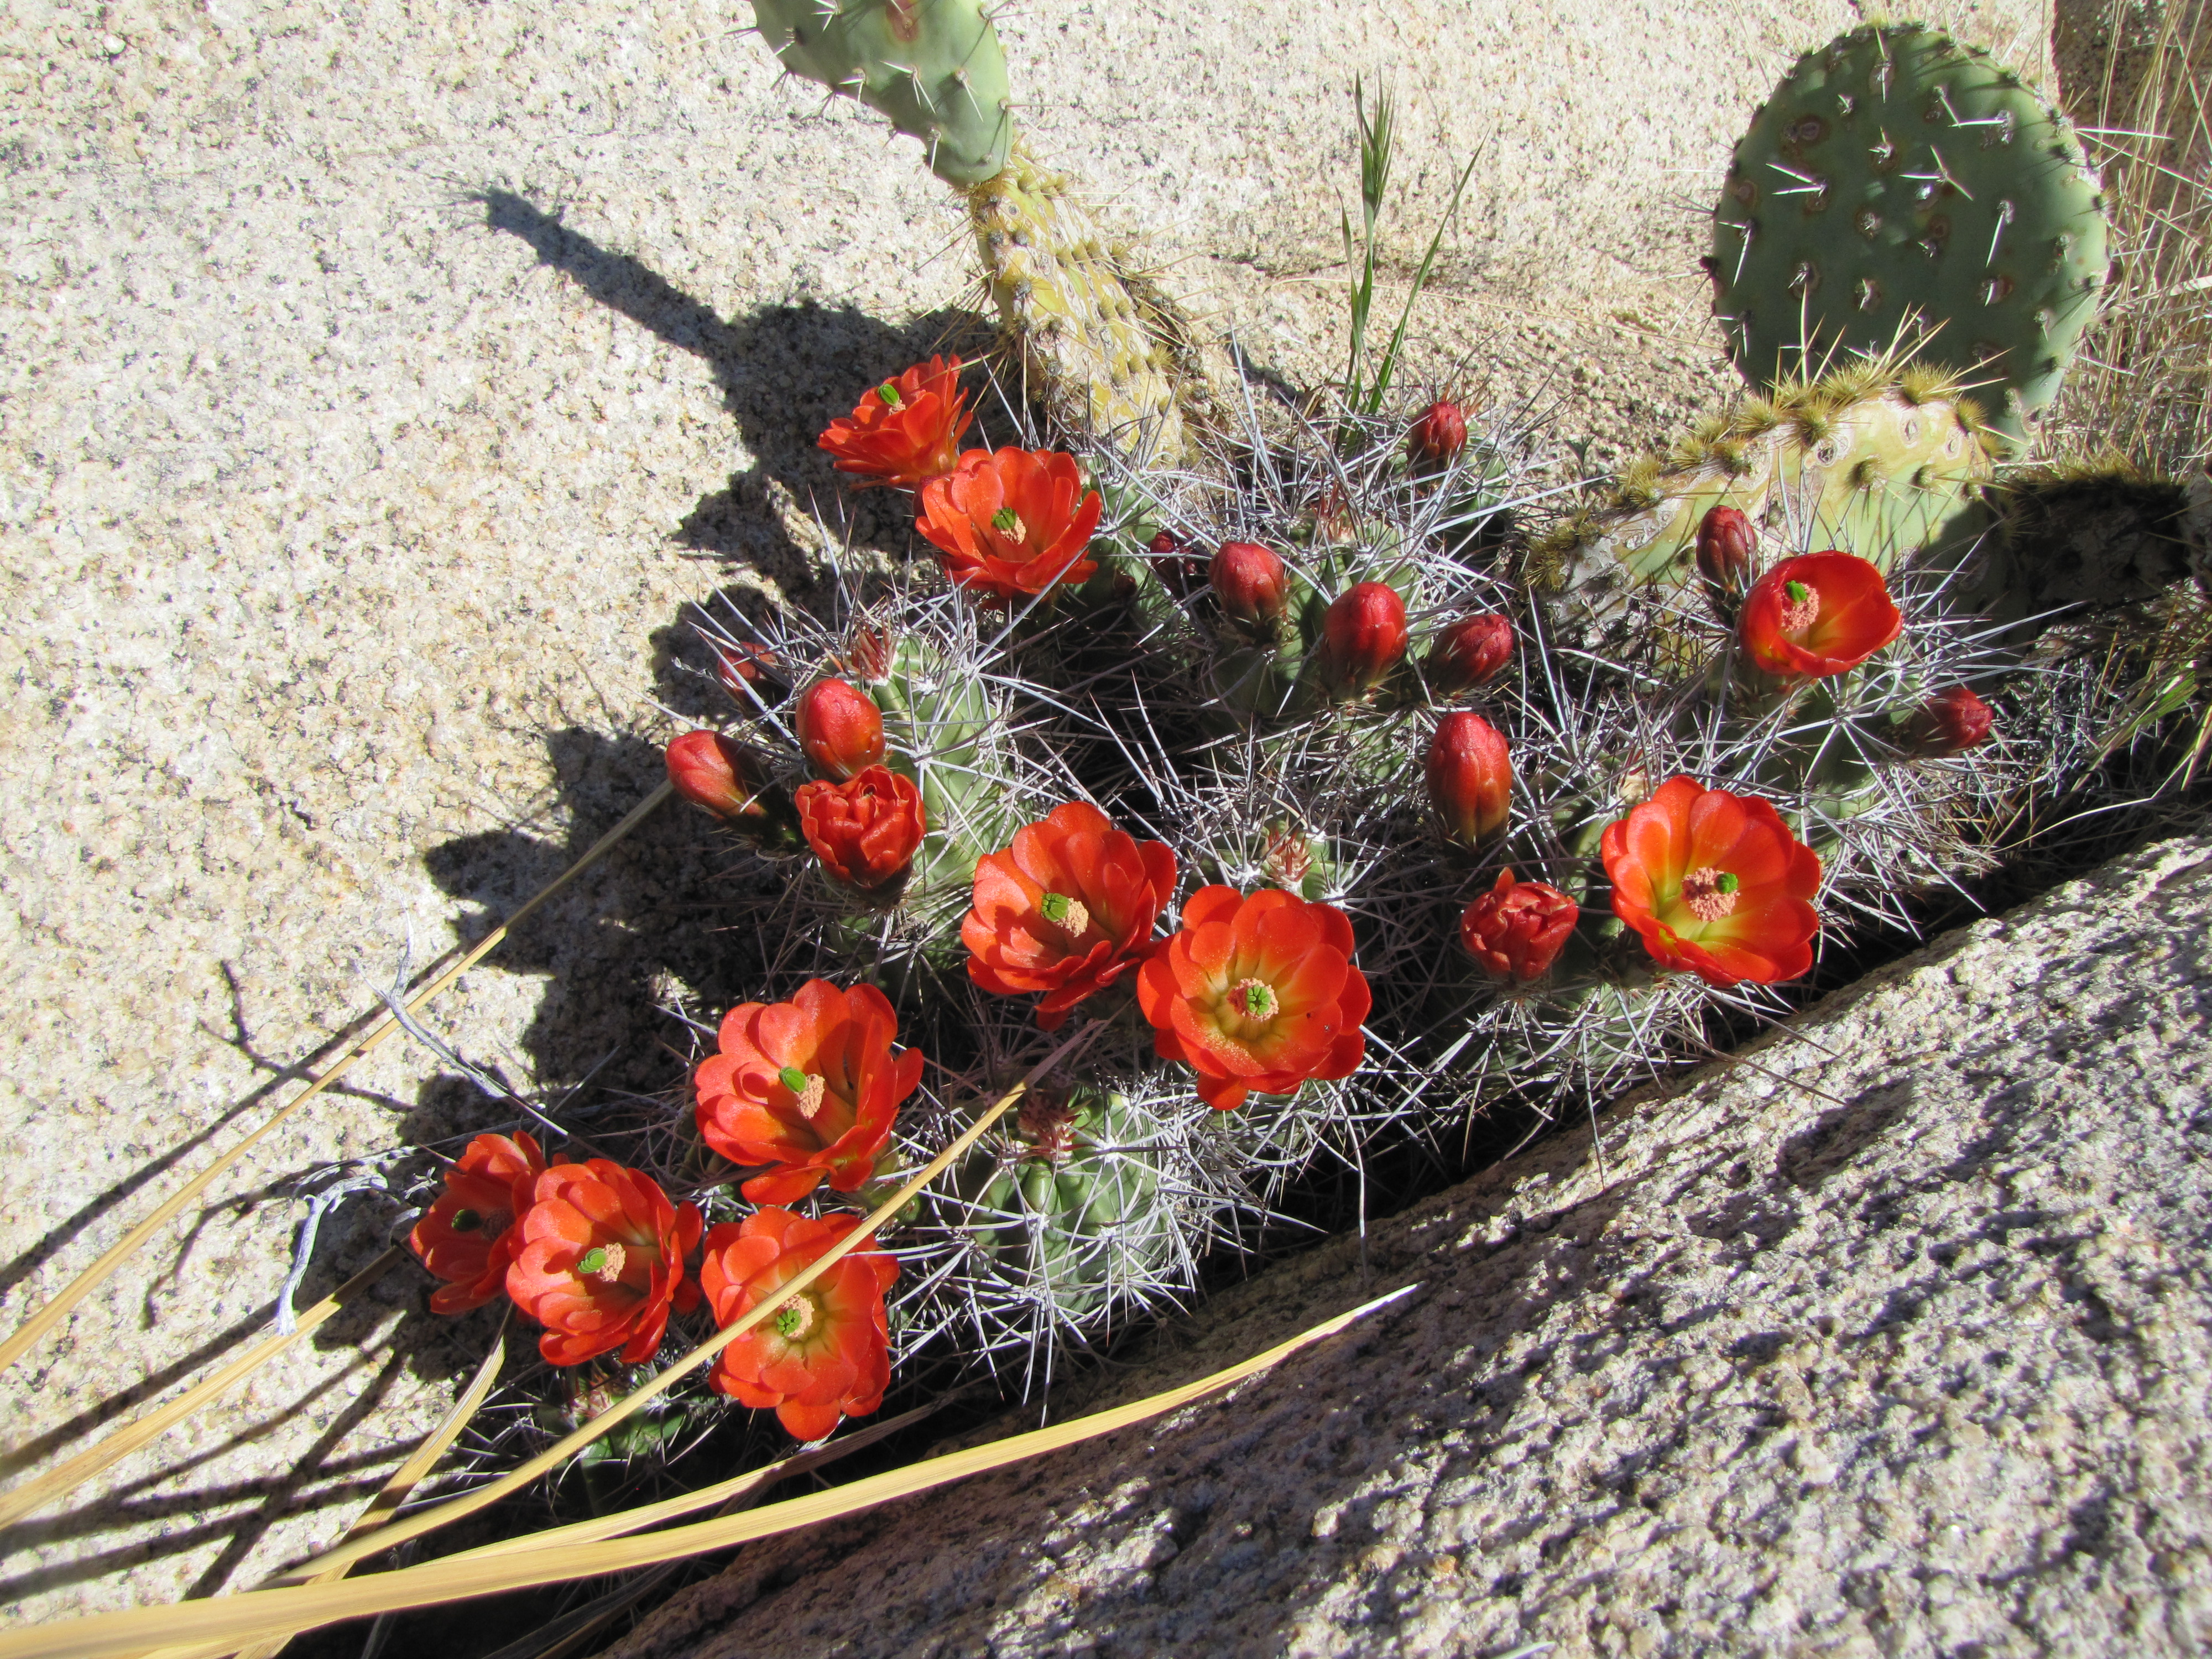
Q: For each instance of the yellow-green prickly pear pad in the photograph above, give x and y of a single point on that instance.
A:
(1898, 185)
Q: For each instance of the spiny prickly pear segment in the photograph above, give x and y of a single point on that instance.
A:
(1900, 185)
(934, 67)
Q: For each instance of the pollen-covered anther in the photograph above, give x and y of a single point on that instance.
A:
(808, 1086)
(794, 1318)
(1008, 523)
(1709, 894)
(1068, 915)
(1801, 607)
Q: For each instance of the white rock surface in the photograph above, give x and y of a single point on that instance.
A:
(1888, 1337)
(378, 382)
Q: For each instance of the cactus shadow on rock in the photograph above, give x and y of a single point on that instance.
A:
(785, 372)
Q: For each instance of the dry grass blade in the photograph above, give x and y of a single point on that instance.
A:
(83, 1285)
(257, 1613)
(34, 1493)
(469, 1503)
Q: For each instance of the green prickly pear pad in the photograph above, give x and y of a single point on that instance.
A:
(934, 67)
(1899, 183)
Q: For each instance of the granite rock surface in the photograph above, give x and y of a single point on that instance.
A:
(379, 383)
(1888, 1336)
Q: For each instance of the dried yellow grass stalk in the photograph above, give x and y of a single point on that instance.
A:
(35, 1493)
(260, 1613)
(83, 1285)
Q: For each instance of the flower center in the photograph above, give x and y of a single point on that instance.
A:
(1255, 1000)
(1067, 914)
(809, 1086)
(1008, 523)
(1801, 607)
(1709, 894)
(466, 1221)
(889, 394)
(794, 1318)
(603, 1262)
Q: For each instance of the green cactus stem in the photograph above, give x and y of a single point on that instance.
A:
(1900, 189)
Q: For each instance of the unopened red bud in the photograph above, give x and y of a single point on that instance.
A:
(1469, 653)
(1364, 635)
(1949, 723)
(1438, 436)
(726, 778)
(1517, 928)
(1250, 582)
(751, 673)
(1180, 571)
(868, 653)
(1470, 775)
(840, 730)
(1728, 555)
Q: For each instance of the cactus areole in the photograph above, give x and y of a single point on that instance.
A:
(1901, 191)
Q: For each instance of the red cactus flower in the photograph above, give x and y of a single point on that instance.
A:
(1818, 614)
(1470, 774)
(1438, 436)
(905, 431)
(1256, 992)
(1364, 635)
(1949, 723)
(1011, 522)
(1067, 909)
(1469, 653)
(469, 1237)
(840, 730)
(823, 1353)
(866, 832)
(1517, 928)
(1716, 883)
(601, 1262)
(811, 1086)
(1728, 553)
(1250, 583)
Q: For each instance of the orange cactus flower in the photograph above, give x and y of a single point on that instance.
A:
(469, 1237)
(1716, 883)
(601, 1262)
(1816, 615)
(825, 1352)
(1256, 992)
(1067, 909)
(866, 830)
(905, 431)
(1011, 522)
(809, 1085)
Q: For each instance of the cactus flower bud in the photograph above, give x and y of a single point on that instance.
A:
(726, 778)
(841, 731)
(1951, 722)
(1517, 928)
(1364, 636)
(1250, 582)
(1180, 571)
(752, 674)
(1727, 557)
(1438, 437)
(1470, 774)
(1469, 653)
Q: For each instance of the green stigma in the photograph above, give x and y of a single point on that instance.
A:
(889, 394)
(593, 1260)
(793, 1078)
(1056, 906)
(1005, 521)
(1725, 883)
(466, 1221)
(789, 1321)
(1797, 592)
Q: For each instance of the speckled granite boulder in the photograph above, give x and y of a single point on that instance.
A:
(1890, 1337)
